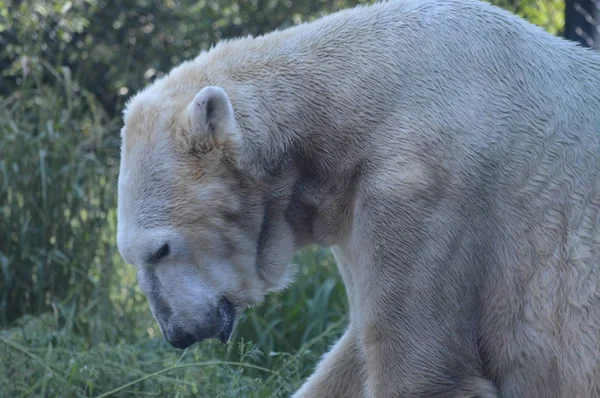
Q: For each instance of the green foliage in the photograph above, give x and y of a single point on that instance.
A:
(63, 368)
(57, 171)
(75, 323)
(114, 47)
(549, 14)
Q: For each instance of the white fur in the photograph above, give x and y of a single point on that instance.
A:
(211, 114)
(448, 150)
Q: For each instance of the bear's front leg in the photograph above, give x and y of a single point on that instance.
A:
(389, 376)
(340, 372)
(414, 347)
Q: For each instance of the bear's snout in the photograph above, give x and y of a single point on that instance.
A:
(181, 340)
(219, 324)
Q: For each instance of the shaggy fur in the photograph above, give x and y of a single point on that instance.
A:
(447, 151)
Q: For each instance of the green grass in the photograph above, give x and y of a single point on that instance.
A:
(274, 349)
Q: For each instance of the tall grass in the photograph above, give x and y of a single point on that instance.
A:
(57, 177)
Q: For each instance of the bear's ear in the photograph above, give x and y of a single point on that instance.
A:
(211, 115)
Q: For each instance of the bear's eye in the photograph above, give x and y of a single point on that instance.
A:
(160, 254)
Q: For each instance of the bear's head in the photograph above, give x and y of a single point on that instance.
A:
(207, 238)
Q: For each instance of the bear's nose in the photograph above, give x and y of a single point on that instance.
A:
(181, 340)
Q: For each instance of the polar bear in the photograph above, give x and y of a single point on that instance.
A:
(448, 152)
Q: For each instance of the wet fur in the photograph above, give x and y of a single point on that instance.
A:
(446, 150)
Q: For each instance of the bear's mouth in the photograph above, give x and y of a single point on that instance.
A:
(228, 319)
